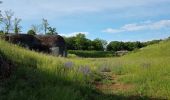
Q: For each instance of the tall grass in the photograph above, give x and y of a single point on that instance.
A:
(92, 54)
(41, 76)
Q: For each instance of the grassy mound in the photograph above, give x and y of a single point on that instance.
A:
(43, 77)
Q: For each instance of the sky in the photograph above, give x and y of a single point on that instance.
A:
(111, 20)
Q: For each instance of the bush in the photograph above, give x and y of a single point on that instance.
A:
(1, 32)
(31, 32)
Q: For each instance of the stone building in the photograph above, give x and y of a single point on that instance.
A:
(53, 44)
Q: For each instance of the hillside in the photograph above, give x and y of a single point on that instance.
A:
(143, 74)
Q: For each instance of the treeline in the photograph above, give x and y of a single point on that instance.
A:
(129, 46)
(80, 42)
(11, 24)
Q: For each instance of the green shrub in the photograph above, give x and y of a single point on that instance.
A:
(1, 32)
(31, 32)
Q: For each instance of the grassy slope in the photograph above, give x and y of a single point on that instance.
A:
(147, 69)
(39, 76)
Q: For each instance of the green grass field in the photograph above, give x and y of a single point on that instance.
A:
(91, 54)
(143, 74)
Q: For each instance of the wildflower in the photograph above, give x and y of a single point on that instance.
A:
(85, 70)
(68, 65)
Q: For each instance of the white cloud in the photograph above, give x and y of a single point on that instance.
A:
(74, 34)
(147, 25)
(31, 9)
(110, 30)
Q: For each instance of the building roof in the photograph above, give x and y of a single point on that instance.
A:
(51, 40)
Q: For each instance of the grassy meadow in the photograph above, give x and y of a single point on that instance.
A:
(143, 74)
(91, 54)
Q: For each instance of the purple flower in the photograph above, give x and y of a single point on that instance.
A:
(85, 70)
(68, 65)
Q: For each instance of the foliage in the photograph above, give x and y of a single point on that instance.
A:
(98, 44)
(7, 20)
(130, 46)
(17, 27)
(45, 25)
(31, 32)
(51, 31)
(36, 28)
(1, 32)
(80, 42)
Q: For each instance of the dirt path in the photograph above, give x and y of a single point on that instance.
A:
(110, 83)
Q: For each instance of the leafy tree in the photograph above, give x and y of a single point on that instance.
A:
(115, 46)
(1, 32)
(104, 44)
(152, 42)
(45, 25)
(51, 31)
(80, 41)
(31, 32)
(70, 41)
(36, 28)
(17, 27)
(1, 17)
(97, 45)
(7, 20)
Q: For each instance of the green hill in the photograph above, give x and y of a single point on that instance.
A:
(143, 74)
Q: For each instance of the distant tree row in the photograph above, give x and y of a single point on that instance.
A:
(11, 24)
(118, 46)
(80, 42)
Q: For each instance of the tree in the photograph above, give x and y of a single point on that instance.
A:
(31, 32)
(1, 17)
(70, 41)
(0, 14)
(36, 28)
(80, 41)
(45, 25)
(51, 31)
(97, 45)
(1, 32)
(116, 46)
(17, 27)
(7, 20)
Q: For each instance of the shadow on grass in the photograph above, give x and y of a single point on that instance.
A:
(30, 83)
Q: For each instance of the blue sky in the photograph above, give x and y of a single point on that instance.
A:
(111, 20)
